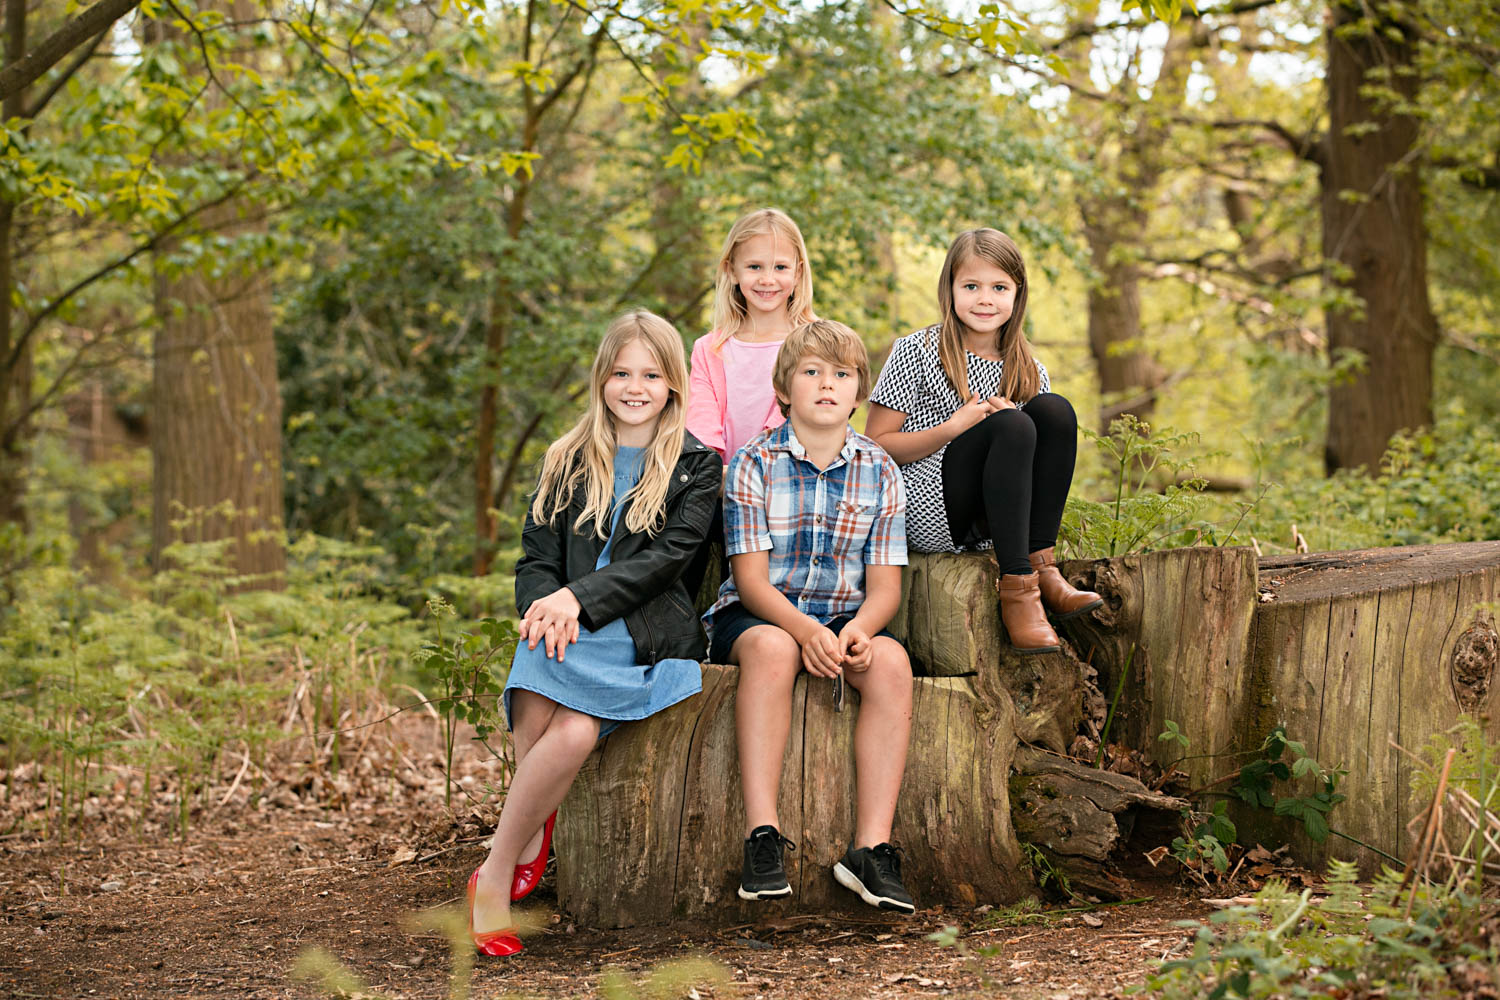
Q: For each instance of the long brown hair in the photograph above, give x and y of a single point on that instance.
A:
(584, 457)
(1019, 380)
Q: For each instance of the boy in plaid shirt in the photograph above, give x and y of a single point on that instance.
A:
(815, 526)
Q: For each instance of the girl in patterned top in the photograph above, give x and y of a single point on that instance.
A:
(986, 449)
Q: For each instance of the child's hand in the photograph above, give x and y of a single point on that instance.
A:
(821, 653)
(998, 403)
(856, 647)
(552, 620)
(975, 410)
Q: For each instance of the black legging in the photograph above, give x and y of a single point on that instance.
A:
(1007, 478)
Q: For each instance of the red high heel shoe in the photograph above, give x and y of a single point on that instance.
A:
(502, 942)
(529, 875)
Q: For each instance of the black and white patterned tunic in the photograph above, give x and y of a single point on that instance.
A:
(913, 383)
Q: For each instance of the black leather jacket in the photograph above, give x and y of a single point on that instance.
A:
(643, 581)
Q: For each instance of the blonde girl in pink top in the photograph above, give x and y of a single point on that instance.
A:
(764, 289)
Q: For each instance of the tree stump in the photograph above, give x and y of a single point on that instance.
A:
(1355, 650)
(1348, 651)
(652, 829)
(949, 623)
(1181, 620)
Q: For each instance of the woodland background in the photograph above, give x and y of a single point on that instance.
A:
(299, 293)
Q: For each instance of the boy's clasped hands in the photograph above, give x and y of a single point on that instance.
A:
(827, 655)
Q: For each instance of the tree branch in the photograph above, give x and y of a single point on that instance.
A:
(87, 23)
(1089, 30)
(83, 56)
(151, 244)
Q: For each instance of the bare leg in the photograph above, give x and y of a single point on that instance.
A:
(539, 784)
(532, 713)
(769, 660)
(880, 739)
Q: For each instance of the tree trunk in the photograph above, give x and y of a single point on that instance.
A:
(1128, 374)
(216, 414)
(15, 375)
(1374, 238)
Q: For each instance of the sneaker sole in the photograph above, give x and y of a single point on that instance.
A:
(764, 893)
(851, 881)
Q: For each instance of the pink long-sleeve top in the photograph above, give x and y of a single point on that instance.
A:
(739, 372)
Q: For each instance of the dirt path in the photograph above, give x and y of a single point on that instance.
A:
(361, 865)
(228, 914)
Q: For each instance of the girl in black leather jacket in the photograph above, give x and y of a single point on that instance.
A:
(607, 631)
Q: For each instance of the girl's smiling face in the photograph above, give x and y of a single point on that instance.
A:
(635, 390)
(983, 295)
(765, 269)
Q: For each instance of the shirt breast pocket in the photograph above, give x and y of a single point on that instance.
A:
(852, 524)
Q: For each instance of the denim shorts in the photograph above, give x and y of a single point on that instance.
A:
(734, 620)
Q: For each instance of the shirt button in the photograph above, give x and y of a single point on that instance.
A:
(682, 478)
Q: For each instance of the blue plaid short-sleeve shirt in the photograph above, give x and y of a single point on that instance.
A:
(822, 527)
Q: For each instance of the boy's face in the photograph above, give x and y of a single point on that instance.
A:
(822, 393)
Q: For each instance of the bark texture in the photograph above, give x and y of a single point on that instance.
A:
(216, 417)
(1348, 651)
(1092, 827)
(1374, 237)
(653, 826)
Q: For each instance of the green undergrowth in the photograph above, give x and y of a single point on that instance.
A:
(1433, 930)
(155, 693)
(1433, 486)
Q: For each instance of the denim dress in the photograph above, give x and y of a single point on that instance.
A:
(601, 675)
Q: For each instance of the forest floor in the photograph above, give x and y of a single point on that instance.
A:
(358, 865)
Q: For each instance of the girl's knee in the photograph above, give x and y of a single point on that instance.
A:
(530, 713)
(578, 731)
(1053, 410)
(1010, 429)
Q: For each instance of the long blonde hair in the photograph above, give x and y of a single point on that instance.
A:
(730, 308)
(1019, 380)
(584, 457)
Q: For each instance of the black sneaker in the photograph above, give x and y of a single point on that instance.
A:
(763, 876)
(875, 873)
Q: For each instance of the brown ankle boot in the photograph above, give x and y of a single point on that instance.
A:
(1058, 595)
(1021, 612)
